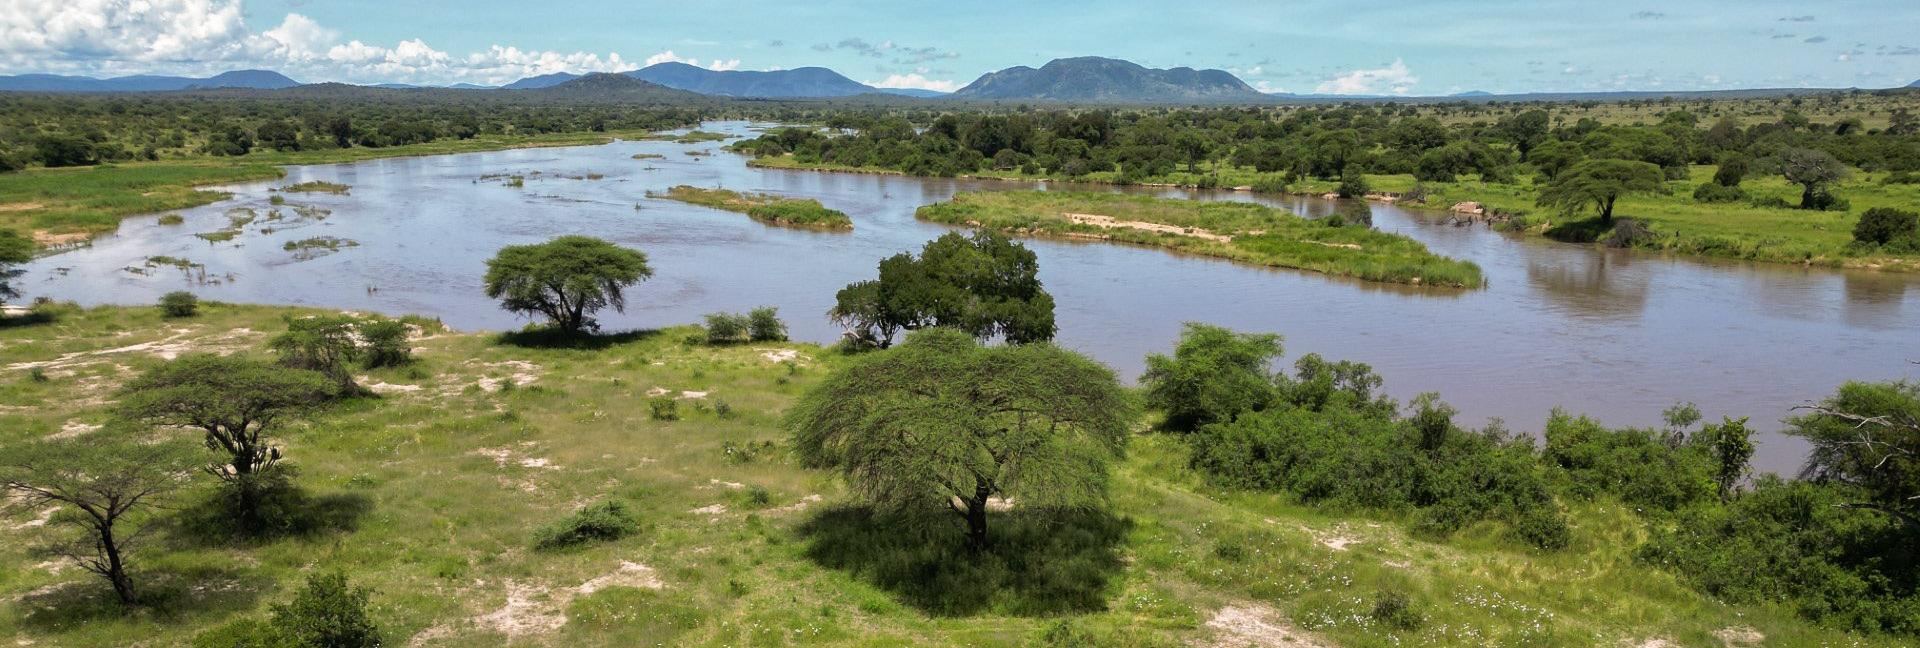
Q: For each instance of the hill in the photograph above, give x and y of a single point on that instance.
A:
(603, 86)
(806, 82)
(542, 81)
(252, 79)
(1104, 80)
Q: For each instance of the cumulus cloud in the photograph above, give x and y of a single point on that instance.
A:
(915, 81)
(1395, 79)
(204, 36)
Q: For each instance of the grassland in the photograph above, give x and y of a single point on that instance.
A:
(436, 490)
(83, 201)
(316, 186)
(800, 213)
(1239, 231)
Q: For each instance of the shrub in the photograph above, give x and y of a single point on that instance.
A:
(726, 328)
(1883, 225)
(608, 520)
(663, 409)
(385, 343)
(1214, 375)
(1901, 177)
(172, 219)
(764, 325)
(179, 303)
(1353, 184)
(1543, 527)
(327, 612)
(1714, 192)
(1394, 610)
(1633, 464)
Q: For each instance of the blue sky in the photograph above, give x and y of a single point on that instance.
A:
(1350, 47)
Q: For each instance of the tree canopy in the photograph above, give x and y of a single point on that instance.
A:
(983, 284)
(1600, 183)
(234, 400)
(14, 250)
(566, 279)
(943, 421)
(1813, 170)
(1213, 375)
(107, 486)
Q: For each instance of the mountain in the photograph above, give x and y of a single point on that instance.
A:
(913, 92)
(1103, 80)
(603, 86)
(806, 82)
(1472, 93)
(470, 86)
(254, 79)
(542, 81)
(1915, 84)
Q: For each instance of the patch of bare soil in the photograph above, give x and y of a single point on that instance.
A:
(1256, 624)
(532, 609)
(1109, 222)
(519, 372)
(711, 509)
(166, 348)
(777, 356)
(19, 206)
(73, 429)
(795, 507)
(1739, 636)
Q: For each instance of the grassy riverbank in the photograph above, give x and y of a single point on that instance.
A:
(1239, 231)
(437, 488)
(82, 201)
(800, 213)
(1680, 224)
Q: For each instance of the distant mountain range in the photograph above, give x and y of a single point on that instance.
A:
(1088, 79)
(255, 79)
(1093, 79)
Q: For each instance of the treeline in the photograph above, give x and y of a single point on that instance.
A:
(70, 130)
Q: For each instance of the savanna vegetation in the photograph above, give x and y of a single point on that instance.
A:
(802, 213)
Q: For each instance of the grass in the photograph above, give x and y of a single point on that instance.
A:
(1238, 231)
(317, 186)
(92, 200)
(802, 213)
(447, 482)
(698, 136)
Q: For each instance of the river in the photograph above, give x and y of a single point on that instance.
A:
(1617, 334)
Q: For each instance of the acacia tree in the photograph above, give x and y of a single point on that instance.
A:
(1812, 170)
(984, 284)
(323, 343)
(566, 279)
(1213, 375)
(14, 250)
(234, 401)
(106, 488)
(1600, 183)
(942, 420)
(1868, 436)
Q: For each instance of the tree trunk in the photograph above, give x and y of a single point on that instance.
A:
(977, 518)
(1606, 210)
(116, 567)
(1806, 197)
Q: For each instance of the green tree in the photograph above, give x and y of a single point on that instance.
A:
(328, 612)
(566, 279)
(1213, 375)
(14, 250)
(326, 344)
(106, 487)
(764, 325)
(1883, 225)
(236, 402)
(984, 284)
(1868, 436)
(1813, 171)
(1731, 445)
(944, 421)
(1600, 183)
(179, 303)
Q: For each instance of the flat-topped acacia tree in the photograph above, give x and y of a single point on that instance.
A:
(566, 279)
(942, 421)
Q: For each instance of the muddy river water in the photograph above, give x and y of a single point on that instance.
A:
(1619, 335)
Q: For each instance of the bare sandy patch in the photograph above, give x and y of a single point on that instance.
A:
(519, 372)
(532, 610)
(777, 356)
(629, 574)
(795, 507)
(505, 456)
(657, 391)
(1256, 624)
(385, 389)
(726, 484)
(1109, 222)
(1739, 636)
(73, 429)
(712, 509)
(19, 206)
(693, 394)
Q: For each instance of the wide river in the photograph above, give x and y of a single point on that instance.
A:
(1619, 335)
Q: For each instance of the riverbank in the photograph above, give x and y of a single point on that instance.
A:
(443, 481)
(1679, 224)
(798, 213)
(66, 206)
(1242, 232)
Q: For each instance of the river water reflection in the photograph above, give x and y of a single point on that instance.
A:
(1620, 335)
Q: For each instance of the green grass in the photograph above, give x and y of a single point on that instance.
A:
(442, 491)
(317, 186)
(802, 213)
(92, 200)
(1238, 231)
(698, 136)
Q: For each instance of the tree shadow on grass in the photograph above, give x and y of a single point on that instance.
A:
(285, 511)
(30, 318)
(166, 595)
(547, 337)
(1037, 563)
(1580, 231)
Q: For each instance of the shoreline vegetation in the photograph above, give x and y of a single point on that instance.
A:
(1234, 231)
(69, 205)
(667, 455)
(769, 209)
(1739, 232)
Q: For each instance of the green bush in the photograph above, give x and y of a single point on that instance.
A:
(726, 328)
(385, 343)
(1883, 225)
(327, 613)
(179, 303)
(608, 520)
(1714, 192)
(1633, 464)
(764, 325)
(1395, 610)
(663, 409)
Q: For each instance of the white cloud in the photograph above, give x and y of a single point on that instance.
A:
(670, 57)
(915, 81)
(107, 37)
(1267, 87)
(1396, 79)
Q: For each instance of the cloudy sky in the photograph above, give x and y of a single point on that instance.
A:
(1382, 47)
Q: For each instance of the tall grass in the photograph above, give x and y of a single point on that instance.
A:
(803, 213)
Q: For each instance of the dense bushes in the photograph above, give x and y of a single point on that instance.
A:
(1886, 225)
(326, 613)
(759, 325)
(607, 520)
(1636, 465)
(179, 303)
